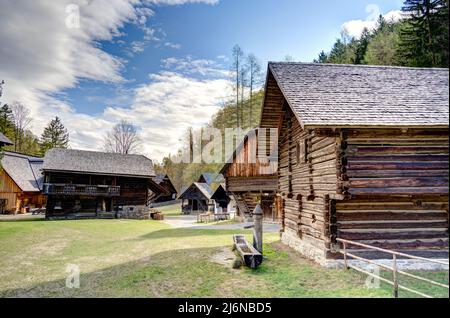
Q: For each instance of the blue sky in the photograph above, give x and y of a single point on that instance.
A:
(130, 59)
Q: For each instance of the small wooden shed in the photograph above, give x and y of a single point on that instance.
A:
(21, 182)
(197, 198)
(221, 197)
(363, 156)
(251, 178)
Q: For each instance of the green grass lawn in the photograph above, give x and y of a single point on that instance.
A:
(171, 210)
(126, 258)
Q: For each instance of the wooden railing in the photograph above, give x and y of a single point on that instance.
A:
(394, 269)
(81, 189)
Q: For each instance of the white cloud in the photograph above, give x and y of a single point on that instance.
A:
(168, 105)
(354, 28)
(40, 57)
(174, 46)
(191, 66)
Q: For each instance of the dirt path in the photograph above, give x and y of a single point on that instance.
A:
(190, 221)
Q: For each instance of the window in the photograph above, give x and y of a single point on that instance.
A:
(301, 151)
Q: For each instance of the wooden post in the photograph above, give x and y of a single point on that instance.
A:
(394, 259)
(258, 229)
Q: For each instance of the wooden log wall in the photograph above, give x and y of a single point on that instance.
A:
(396, 184)
(247, 162)
(308, 180)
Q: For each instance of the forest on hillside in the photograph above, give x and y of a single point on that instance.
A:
(420, 39)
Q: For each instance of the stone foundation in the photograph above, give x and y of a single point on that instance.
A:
(308, 247)
(312, 250)
(135, 213)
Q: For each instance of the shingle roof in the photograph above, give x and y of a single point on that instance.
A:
(160, 178)
(211, 177)
(350, 95)
(71, 160)
(24, 170)
(204, 188)
(5, 140)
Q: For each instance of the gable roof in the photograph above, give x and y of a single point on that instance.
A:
(5, 140)
(70, 160)
(24, 170)
(204, 189)
(209, 178)
(354, 95)
(160, 178)
(164, 180)
(220, 190)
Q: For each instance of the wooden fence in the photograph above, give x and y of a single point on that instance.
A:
(394, 268)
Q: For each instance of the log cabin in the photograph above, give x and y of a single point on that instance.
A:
(20, 183)
(251, 179)
(87, 184)
(198, 199)
(363, 156)
(164, 181)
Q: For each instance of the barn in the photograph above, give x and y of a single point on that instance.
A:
(363, 156)
(251, 178)
(20, 183)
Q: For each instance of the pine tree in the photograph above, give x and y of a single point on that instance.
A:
(322, 58)
(6, 121)
(361, 46)
(55, 135)
(424, 39)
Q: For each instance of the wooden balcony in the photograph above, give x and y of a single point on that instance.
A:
(81, 189)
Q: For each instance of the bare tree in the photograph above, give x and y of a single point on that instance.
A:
(21, 119)
(254, 70)
(238, 56)
(1, 87)
(123, 138)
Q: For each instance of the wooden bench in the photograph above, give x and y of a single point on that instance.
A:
(221, 216)
(205, 217)
(250, 255)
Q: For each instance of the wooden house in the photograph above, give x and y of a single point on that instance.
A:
(252, 179)
(164, 181)
(363, 156)
(197, 198)
(87, 184)
(20, 183)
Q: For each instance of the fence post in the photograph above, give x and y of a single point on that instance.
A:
(394, 259)
(345, 255)
(258, 229)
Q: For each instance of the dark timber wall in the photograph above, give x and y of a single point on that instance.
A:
(384, 187)
(396, 185)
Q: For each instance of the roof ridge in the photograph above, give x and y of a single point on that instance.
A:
(361, 66)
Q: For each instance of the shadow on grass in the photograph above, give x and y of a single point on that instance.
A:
(36, 219)
(188, 232)
(175, 273)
